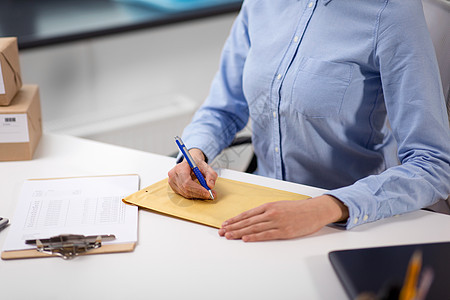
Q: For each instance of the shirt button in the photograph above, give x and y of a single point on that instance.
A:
(276, 149)
(355, 221)
(310, 4)
(274, 114)
(365, 217)
(279, 76)
(296, 39)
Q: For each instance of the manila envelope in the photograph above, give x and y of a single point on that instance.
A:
(233, 198)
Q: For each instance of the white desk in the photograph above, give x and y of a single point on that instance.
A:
(176, 259)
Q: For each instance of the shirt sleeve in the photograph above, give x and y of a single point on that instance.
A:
(416, 110)
(225, 111)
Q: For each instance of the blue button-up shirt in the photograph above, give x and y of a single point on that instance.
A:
(341, 95)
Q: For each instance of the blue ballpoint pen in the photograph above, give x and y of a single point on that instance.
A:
(192, 164)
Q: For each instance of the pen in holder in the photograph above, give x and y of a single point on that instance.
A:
(412, 288)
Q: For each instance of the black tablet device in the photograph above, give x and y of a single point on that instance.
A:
(382, 269)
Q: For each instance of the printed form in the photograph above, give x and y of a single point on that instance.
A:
(78, 205)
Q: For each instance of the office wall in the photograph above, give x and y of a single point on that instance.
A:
(137, 89)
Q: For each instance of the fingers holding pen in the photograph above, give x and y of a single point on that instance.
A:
(184, 182)
(209, 174)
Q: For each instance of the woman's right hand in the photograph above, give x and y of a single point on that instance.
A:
(182, 179)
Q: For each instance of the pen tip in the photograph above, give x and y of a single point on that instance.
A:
(211, 194)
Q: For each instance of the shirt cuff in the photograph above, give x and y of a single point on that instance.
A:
(361, 208)
(205, 144)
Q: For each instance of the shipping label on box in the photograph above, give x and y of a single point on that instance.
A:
(21, 125)
(14, 128)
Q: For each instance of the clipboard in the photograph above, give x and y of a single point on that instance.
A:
(33, 253)
(233, 198)
(88, 189)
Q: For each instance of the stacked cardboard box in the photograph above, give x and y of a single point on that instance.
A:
(20, 108)
(10, 77)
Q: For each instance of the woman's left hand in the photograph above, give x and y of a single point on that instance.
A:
(284, 219)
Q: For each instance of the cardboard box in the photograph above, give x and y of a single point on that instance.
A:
(10, 76)
(21, 125)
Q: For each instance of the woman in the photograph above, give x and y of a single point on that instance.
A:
(341, 95)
